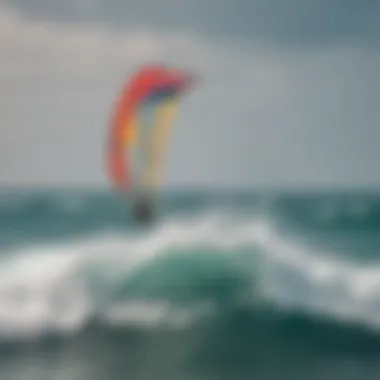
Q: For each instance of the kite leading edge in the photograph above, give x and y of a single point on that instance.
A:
(140, 126)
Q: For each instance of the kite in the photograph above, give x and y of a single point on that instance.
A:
(140, 127)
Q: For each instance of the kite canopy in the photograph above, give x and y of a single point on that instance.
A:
(140, 125)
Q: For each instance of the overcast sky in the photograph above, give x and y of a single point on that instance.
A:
(290, 90)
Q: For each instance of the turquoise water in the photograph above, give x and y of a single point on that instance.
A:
(223, 286)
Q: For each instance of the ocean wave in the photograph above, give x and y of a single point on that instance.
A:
(183, 271)
(332, 212)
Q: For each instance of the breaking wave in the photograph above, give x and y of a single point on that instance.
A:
(183, 272)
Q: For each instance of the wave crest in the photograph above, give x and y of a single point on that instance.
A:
(188, 268)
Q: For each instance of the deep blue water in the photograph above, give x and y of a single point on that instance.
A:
(242, 285)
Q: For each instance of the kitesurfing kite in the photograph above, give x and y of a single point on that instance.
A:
(140, 126)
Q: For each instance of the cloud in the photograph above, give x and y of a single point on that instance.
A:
(58, 83)
(290, 22)
(262, 115)
(82, 50)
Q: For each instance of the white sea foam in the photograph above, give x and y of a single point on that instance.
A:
(50, 288)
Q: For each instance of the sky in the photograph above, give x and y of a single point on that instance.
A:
(289, 93)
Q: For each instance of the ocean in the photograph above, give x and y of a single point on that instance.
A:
(234, 285)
